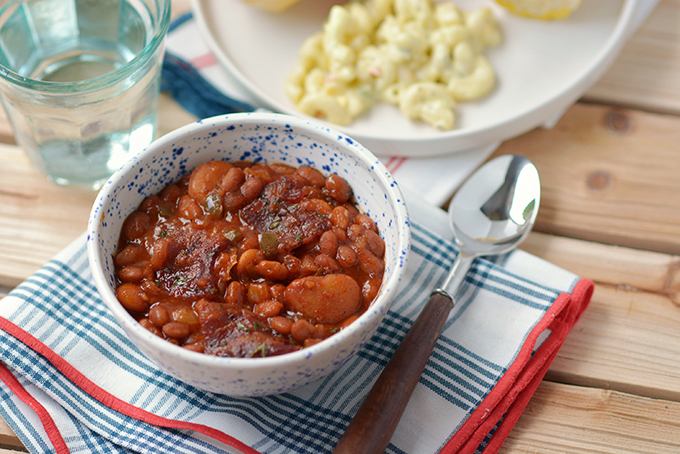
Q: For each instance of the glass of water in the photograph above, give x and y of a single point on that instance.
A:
(79, 80)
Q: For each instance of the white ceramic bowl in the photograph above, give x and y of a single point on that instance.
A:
(253, 137)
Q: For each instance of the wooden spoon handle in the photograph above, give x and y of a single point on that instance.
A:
(372, 427)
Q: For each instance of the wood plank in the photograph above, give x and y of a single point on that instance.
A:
(563, 419)
(6, 133)
(8, 439)
(171, 115)
(38, 218)
(598, 186)
(645, 75)
(65, 229)
(627, 340)
(620, 267)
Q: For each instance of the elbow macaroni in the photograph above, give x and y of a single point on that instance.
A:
(419, 55)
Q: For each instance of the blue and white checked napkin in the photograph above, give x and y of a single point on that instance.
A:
(71, 381)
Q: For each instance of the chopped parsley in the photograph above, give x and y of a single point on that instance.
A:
(242, 327)
(260, 350)
(276, 223)
(179, 280)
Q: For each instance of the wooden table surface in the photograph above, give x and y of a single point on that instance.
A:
(610, 172)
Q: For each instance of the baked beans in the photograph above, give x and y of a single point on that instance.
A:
(249, 260)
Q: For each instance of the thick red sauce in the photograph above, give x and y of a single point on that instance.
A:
(249, 260)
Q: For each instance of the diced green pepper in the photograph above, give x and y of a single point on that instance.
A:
(269, 243)
(165, 212)
(275, 224)
(232, 235)
(213, 204)
(260, 350)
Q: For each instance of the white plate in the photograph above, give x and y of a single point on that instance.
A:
(542, 67)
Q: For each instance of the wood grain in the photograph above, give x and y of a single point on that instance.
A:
(625, 268)
(628, 339)
(645, 75)
(562, 419)
(608, 175)
(374, 423)
(38, 218)
(8, 440)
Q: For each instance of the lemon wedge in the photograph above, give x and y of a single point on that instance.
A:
(275, 6)
(541, 9)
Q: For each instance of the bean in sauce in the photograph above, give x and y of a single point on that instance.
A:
(249, 260)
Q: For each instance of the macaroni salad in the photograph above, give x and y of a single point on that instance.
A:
(421, 56)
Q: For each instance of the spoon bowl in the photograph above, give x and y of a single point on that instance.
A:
(490, 214)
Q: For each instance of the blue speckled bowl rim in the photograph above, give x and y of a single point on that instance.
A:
(390, 286)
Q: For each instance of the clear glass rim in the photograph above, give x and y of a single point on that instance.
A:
(161, 30)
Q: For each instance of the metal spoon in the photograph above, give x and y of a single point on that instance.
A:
(490, 214)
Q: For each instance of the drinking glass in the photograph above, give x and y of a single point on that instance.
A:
(79, 80)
